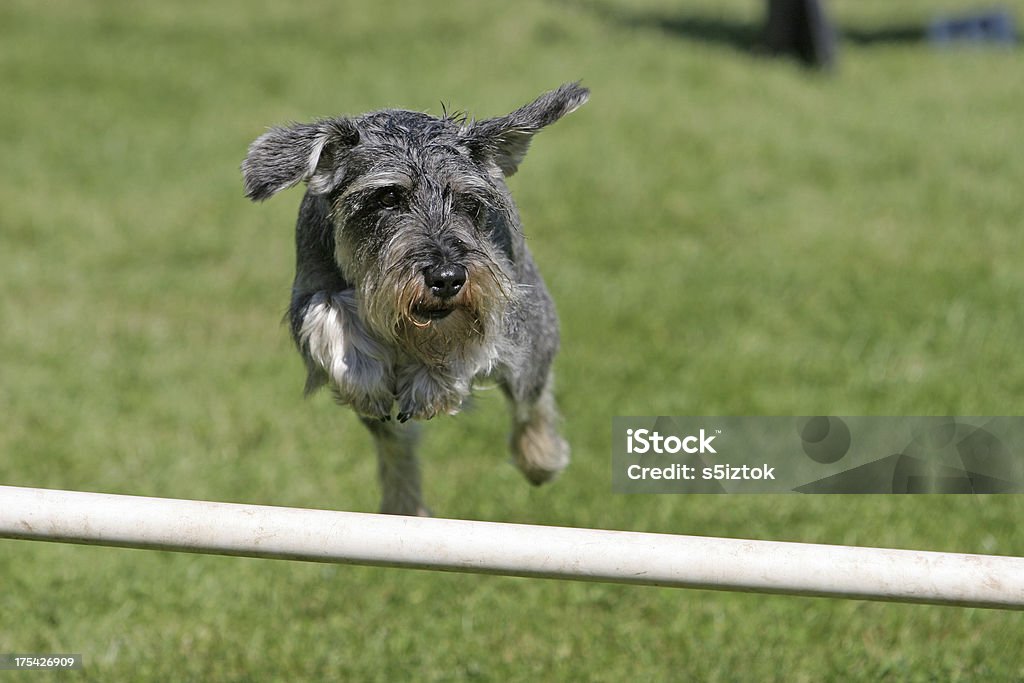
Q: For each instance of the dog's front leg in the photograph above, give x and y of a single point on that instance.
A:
(340, 352)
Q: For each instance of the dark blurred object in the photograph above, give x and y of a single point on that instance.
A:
(801, 28)
(986, 27)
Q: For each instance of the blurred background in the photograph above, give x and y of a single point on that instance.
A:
(724, 233)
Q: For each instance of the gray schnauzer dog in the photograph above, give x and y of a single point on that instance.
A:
(413, 278)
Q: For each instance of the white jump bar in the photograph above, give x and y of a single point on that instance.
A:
(512, 549)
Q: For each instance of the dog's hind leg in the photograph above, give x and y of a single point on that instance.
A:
(398, 469)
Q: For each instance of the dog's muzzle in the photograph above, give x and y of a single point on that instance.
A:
(443, 283)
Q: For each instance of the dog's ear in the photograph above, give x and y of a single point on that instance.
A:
(505, 139)
(285, 156)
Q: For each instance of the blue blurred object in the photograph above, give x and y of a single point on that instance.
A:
(987, 27)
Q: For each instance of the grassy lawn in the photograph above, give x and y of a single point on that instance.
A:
(723, 234)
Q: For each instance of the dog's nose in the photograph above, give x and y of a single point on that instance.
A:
(446, 280)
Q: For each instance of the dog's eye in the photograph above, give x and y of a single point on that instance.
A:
(467, 204)
(388, 198)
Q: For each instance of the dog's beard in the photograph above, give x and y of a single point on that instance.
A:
(400, 308)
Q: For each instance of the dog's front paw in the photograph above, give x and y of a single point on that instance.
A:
(423, 394)
(373, 402)
(365, 383)
(411, 409)
(340, 352)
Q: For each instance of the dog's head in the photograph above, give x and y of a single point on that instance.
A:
(420, 210)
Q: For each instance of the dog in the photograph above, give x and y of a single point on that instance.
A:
(413, 278)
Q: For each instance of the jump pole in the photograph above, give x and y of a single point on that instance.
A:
(726, 564)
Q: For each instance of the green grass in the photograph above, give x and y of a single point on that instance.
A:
(724, 234)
